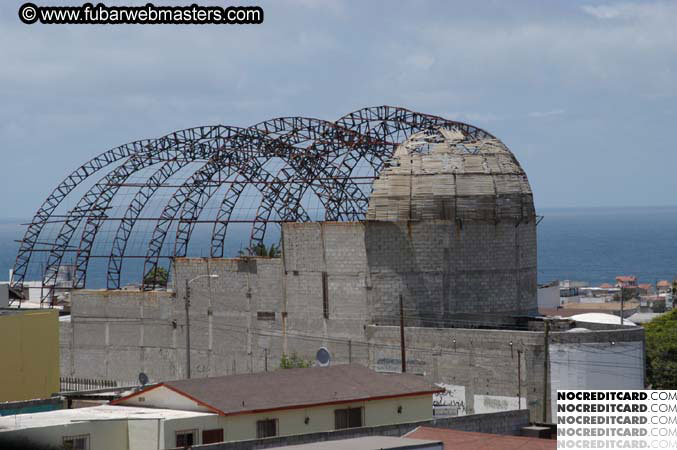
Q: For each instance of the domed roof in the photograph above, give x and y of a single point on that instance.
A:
(441, 174)
(600, 318)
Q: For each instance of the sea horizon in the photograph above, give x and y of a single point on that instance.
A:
(589, 244)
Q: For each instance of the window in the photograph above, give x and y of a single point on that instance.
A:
(212, 436)
(348, 418)
(186, 438)
(266, 428)
(76, 442)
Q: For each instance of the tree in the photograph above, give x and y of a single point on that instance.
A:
(261, 250)
(661, 351)
(294, 362)
(157, 277)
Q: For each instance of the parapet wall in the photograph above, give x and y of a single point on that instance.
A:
(506, 423)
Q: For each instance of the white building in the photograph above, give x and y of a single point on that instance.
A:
(105, 427)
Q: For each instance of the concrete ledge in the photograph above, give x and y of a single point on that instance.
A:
(507, 423)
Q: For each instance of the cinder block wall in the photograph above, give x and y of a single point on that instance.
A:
(334, 279)
(330, 289)
(443, 268)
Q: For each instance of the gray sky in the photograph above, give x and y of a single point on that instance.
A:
(584, 93)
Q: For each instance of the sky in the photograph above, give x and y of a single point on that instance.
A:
(583, 92)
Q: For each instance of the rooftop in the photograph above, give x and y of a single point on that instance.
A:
(465, 440)
(642, 318)
(294, 388)
(95, 413)
(626, 278)
(369, 443)
(600, 318)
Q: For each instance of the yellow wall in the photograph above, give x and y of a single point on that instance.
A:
(376, 412)
(29, 355)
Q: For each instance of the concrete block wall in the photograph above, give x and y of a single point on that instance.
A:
(260, 306)
(331, 288)
(444, 268)
(480, 365)
(114, 335)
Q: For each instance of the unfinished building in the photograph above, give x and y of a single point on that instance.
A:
(386, 217)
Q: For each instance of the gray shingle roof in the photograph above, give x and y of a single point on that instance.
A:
(293, 388)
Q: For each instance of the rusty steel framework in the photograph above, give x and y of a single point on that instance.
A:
(316, 157)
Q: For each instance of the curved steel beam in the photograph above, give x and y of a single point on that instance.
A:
(254, 173)
(315, 154)
(136, 206)
(325, 143)
(220, 228)
(96, 201)
(56, 197)
(101, 192)
(202, 151)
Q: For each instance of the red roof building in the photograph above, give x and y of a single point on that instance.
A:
(626, 280)
(465, 440)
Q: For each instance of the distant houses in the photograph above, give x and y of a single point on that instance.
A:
(576, 297)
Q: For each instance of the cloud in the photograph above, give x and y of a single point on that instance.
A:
(539, 114)
(70, 92)
(627, 10)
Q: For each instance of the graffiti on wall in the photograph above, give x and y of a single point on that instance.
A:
(453, 397)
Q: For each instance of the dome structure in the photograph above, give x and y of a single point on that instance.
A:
(215, 190)
(461, 209)
(443, 174)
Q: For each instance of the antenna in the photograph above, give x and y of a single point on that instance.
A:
(323, 357)
(143, 379)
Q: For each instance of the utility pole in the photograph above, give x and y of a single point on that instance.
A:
(404, 353)
(622, 300)
(546, 357)
(519, 379)
(187, 301)
(266, 352)
(350, 351)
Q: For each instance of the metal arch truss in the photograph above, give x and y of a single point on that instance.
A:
(312, 156)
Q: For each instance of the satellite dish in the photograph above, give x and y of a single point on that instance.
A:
(323, 357)
(143, 379)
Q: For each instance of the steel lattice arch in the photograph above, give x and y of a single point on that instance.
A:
(136, 206)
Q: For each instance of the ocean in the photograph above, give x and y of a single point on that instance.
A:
(583, 244)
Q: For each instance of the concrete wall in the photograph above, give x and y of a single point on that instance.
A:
(508, 423)
(337, 286)
(442, 268)
(607, 361)
(29, 355)
(114, 335)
